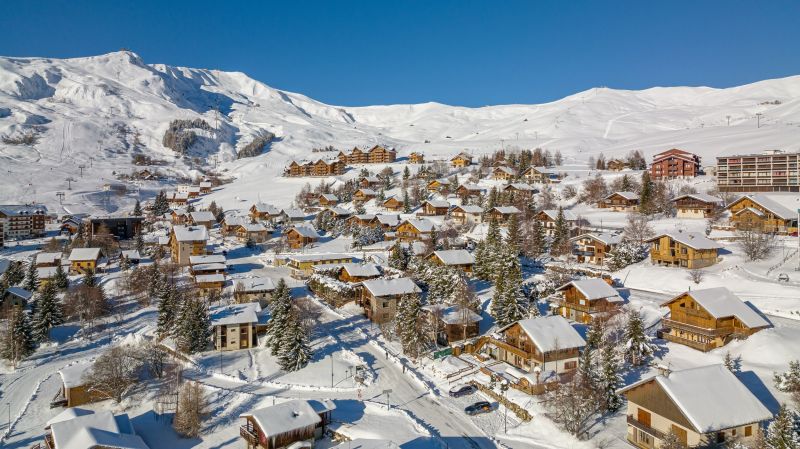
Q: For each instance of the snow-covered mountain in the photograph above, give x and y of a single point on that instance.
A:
(98, 112)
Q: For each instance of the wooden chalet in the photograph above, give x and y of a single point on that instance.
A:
(467, 214)
(202, 218)
(317, 168)
(438, 185)
(503, 173)
(684, 249)
(263, 211)
(703, 407)
(362, 220)
(358, 272)
(387, 222)
(450, 324)
(80, 428)
(302, 266)
(13, 297)
(207, 264)
(234, 326)
(209, 282)
(45, 259)
(616, 165)
(230, 223)
(299, 236)
(434, 208)
(82, 260)
(292, 423)
(379, 297)
(327, 199)
(620, 202)
(205, 187)
(416, 158)
(593, 247)
(186, 241)
(502, 214)
(469, 191)
(375, 155)
(258, 290)
(541, 175)
(393, 204)
(363, 195)
(773, 213)
(337, 213)
(369, 182)
(548, 219)
(585, 299)
(696, 205)
(675, 164)
(520, 189)
(415, 230)
(456, 258)
(177, 199)
(461, 160)
(709, 318)
(178, 216)
(255, 232)
(74, 390)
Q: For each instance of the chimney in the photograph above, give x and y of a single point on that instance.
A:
(664, 370)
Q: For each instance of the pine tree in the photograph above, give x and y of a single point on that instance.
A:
(18, 341)
(672, 441)
(513, 233)
(49, 312)
(587, 368)
(595, 333)
(137, 209)
(193, 327)
(406, 202)
(155, 280)
(60, 279)
(609, 378)
(782, 432)
(14, 274)
(731, 363)
(538, 240)
(280, 308)
(139, 241)
(88, 278)
(124, 263)
(167, 309)
(646, 194)
(560, 244)
(409, 325)
(637, 343)
(31, 278)
(294, 352)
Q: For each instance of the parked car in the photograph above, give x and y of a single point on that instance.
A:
(478, 408)
(462, 390)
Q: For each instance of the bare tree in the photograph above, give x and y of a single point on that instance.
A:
(191, 410)
(696, 275)
(638, 227)
(573, 404)
(308, 312)
(114, 373)
(755, 244)
(87, 304)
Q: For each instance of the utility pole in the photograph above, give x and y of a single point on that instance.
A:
(758, 119)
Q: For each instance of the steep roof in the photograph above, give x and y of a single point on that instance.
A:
(704, 197)
(506, 209)
(604, 237)
(710, 397)
(306, 231)
(455, 257)
(721, 303)
(453, 314)
(470, 209)
(361, 269)
(265, 208)
(626, 195)
(390, 287)
(339, 211)
(293, 213)
(519, 186)
(421, 225)
(593, 288)
(284, 417)
(202, 216)
(695, 240)
(329, 197)
(553, 214)
(47, 258)
(190, 233)
(551, 332)
(437, 203)
(778, 204)
(506, 170)
(99, 429)
(388, 219)
(79, 254)
(234, 314)
(256, 284)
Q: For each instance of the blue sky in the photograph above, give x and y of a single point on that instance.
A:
(469, 53)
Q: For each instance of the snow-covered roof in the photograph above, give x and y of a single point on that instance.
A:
(306, 231)
(257, 284)
(93, 430)
(202, 216)
(314, 257)
(13, 210)
(784, 206)
(214, 266)
(293, 213)
(437, 203)
(265, 208)
(695, 240)
(253, 227)
(390, 287)
(329, 197)
(473, 187)
(207, 278)
(284, 417)
(19, 292)
(455, 257)
(721, 303)
(46, 272)
(367, 192)
(70, 413)
(236, 220)
(72, 375)
(553, 214)
(361, 269)
(388, 219)
(4, 264)
(365, 443)
(626, 195)
(470, 209)
(364, 217)
(190, 233)
(507, 170)
(519, 186)
(453, 314)
(550, 333)
(47, 258)
(131, 254)
(752, 210)
(704, 197)
(421, 225)
(506, 209)
(461, 155)
(234, 314)
(542, 170)
(207, 258)
(604, 237)
(80, 254)
(339, 211)
(711, 397)
(206, 184)
(443, 181)
(593, 288)
(370, 179)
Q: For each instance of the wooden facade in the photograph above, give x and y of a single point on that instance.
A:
(752, 212)
(461, 161)
(691, 206)
(318, 168)
(393, 204)
(592, 249)
(407, 231)
(516, 348)
(620, 202)
(575, 306)
(667, 250)
(297, 239)
(375, 155)
(416, 158)
(675, 164)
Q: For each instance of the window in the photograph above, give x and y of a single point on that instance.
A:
(720, 437)
(570, 365)
(748, 431)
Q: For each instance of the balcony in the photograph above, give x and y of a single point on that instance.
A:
(705, 347)
(633, 422)
(248, 433)
(709, 332)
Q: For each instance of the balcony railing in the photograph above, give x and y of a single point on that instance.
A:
(249, 435)
(700, 346)
(711, 332)
(645, 428)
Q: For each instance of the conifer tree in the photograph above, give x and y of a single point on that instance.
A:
(646, 194)
(406, 202)
(409, 325)
(31, 278)
(139, 242)
(587, 368)
(124, 263)
(637, 343)
(672, 441)
(406, 173)
(294, 352)
(137, 209)
(49, 312)
(513, 235)
(18, 341)
(609, 378)
(167, 309)
(537, 241)
(560, 245)
(595, 333)
(280, 308)
(782, 432)
(155, 280)
(60, 279)
(14, 274)
(88, 278)
(193, 327)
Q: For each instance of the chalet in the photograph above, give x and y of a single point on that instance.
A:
(675, 164)
(192, 191)
(381, 155)
(230, 223)
(302, 266)
(82, 260)
(702, 406)
(207, 264)
(696, 205)
(362, 220)
(45, 275)
(74, 389)
(69, 225)
(542, 175)
(327, 199)
(393, 204)
(79, 428)
(369, 182)
(379, 297)
(292, 424)
(209, 282)
(774, 213)
(177, 199)
(318, 168)
(416, 158)
(255, 232)
(467, 214)
(415, 230)
(337, 213)
(358, 272)
(202, 218)
(354, 156)
(48, 260)
(461, 160)
(684, 249)
(593, 247)
(185, 241)
(291, 215)
(520, 189)
(258, 290)
(23, 220)
(584, 299)
(387, 222)
(205, 187)
(616, 165)
(263, 211)
(131, 255)
(503, 173)
(456, 258)
(709, 318)
(469, 191)
(542, 344)
(363, 195)
(178, 216)
(234, 326)
(450, 324)
(299, 236)
(621, 202)
(434, 207)
(14, 297)
(438, 185)
(548, 219)
(502, 213)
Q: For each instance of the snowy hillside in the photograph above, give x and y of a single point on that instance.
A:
(99, 112)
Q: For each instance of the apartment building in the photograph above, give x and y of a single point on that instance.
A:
(769, 171)
(19, 221)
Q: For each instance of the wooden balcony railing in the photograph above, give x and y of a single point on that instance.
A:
(645, 428)
(700, 346)
(710, 332)
(249, 434)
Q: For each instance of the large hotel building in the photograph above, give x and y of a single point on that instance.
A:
(770, 171)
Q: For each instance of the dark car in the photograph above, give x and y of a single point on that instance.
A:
(478, 408)
(462, 390)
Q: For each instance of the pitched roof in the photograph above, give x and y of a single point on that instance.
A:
(190, 233)
(92, 430)
(265, 208)
(626, 195)
(234, 314)
(361, 269)
(339, 211)
(257, 284)
(704, 197)
(329, 197)
(207, 258)
(778, 204)
(388, 219)
(506, 209)
(293, 213)
(367, 192)
(695, 240)
(722, 303)
(47, 258)
(131, 254)
(710, 397)
(208, 278)
(453, 314)
(474, 187)
(79, 254)
(253, 227)
(470, 209)
(593, 288)
(421, 225)
(550, 332)
(306, 231)
(506, 170)
(314, 257)
(604, 237)
(437, 203)
(519, 186)
(203, 216)
(553, 214)
(72, 375)
(284, 417)
(19, 292)
(389, 287)
(455, 257)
